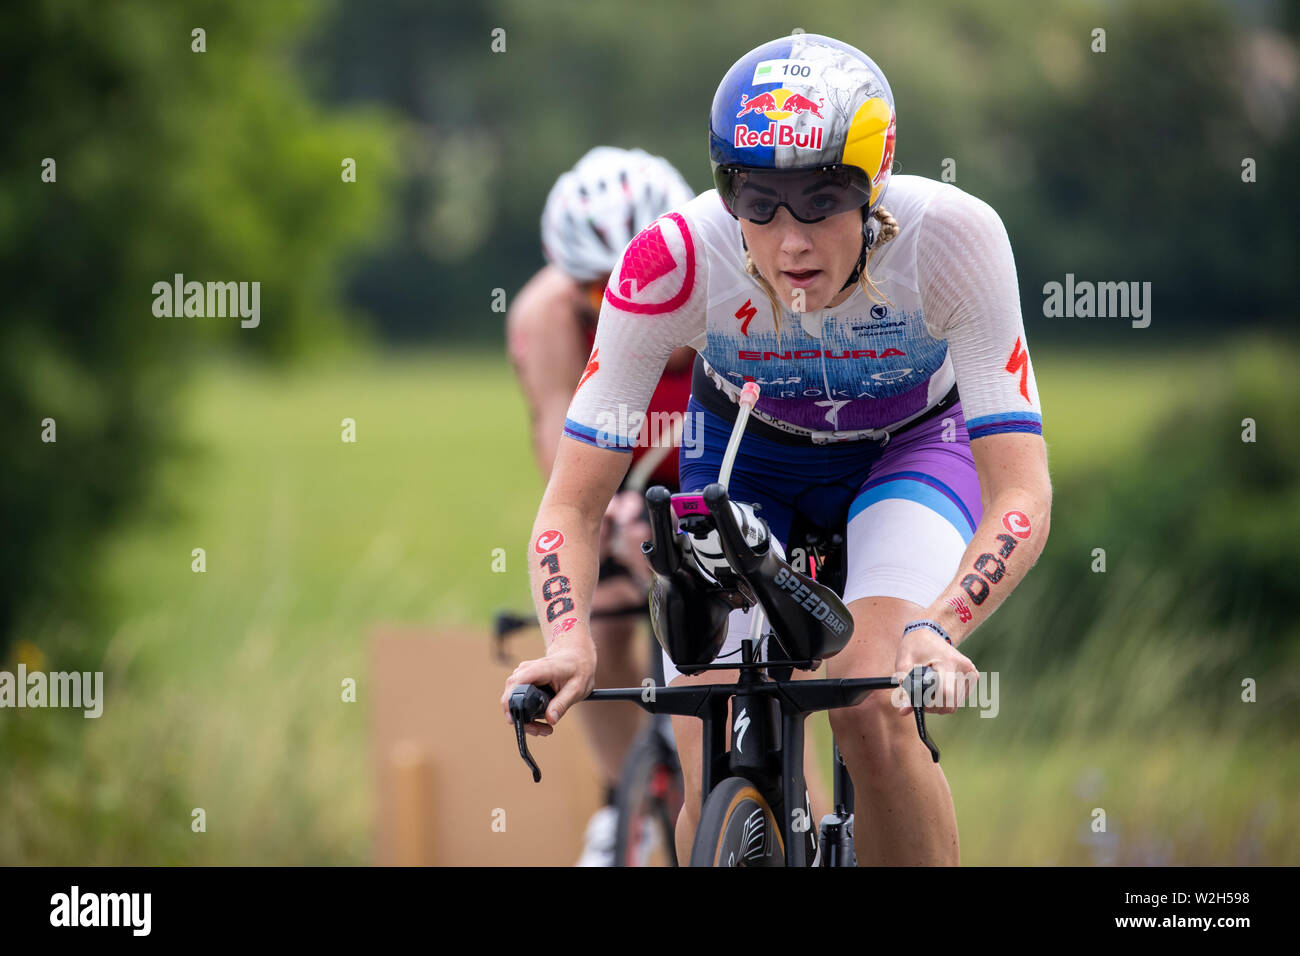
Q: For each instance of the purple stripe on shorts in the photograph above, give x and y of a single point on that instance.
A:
(921, 452)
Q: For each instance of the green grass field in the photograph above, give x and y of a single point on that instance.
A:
(224, 688)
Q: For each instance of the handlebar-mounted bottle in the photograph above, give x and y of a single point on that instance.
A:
(689, 613)
(731, 564)
(809, 620)
(734, 565)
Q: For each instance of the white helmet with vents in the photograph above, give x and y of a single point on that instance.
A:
(595, 209)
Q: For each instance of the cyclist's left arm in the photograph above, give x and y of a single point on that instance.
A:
(971, 297)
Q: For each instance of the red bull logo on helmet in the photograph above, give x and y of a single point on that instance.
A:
(776, 106)
(778, 134)
(779, 104)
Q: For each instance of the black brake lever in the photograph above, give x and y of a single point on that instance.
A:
(527, 703)
(918, 681)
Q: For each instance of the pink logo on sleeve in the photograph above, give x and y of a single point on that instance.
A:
(646, 259)
(657, 272)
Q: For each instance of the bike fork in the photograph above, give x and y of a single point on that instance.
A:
(837, 827)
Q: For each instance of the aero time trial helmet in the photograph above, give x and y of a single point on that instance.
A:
(804, 121)
(595, 209)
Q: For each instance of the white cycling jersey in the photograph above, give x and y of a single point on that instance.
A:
(951, 316)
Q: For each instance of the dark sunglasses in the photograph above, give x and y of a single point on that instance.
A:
(810, 195)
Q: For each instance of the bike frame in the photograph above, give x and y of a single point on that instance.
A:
(769, 749)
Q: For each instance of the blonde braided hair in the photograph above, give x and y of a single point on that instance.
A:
(888, 230)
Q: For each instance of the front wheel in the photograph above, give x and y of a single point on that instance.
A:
(737, 828)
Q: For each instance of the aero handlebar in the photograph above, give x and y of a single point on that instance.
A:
(528, 702)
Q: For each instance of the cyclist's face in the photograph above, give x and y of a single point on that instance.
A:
(806, 263)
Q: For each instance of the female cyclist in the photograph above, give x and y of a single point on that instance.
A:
(878, 317)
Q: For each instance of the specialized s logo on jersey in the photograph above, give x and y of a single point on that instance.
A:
(1019, 362)
(593, 366)
(745, 313)
(657, 272)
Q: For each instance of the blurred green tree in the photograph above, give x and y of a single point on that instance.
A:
(1115, 165)
(135, 149)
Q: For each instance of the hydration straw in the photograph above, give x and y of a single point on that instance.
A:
(748, 397)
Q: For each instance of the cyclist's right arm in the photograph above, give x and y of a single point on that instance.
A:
(562, 571)
(666, 311)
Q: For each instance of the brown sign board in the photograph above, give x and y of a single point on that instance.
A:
(449, 786)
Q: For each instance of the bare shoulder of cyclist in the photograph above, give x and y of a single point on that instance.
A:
(544, 330)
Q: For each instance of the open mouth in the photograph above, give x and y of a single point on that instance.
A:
(803, 278)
